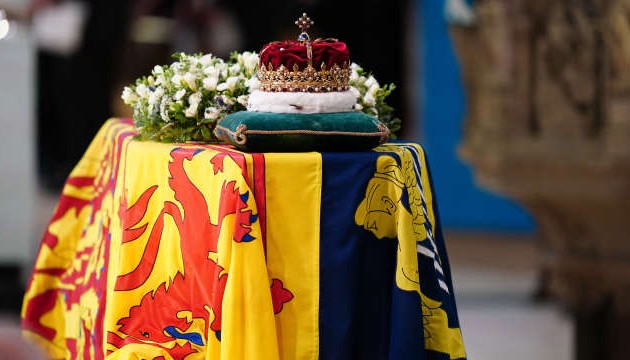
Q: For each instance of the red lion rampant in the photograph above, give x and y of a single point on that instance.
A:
(156, 317)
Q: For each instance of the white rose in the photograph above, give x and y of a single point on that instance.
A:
(210, 83)
(358, 107)
(158, 70)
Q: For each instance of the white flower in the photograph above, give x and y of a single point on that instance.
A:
(193, 65)
(179, 94)
(225, 85)
(249, 61)
(355, 92)
(222, 69)
(129, 96)
(177, 80)
(369, 100)
(143, 91)
(223, 100)
(373, 90)
(194, 101)
(243, 99)
(206, 60)
(155, 97)
(229, 84)
(211, 113)
(164, 107)
(371, 82)
(191, 80)
(234, 69)
(160, 80)
(210, 83)
(354, 71)
(212, 71)
(253, 83)
(177, 66)
(194, 98)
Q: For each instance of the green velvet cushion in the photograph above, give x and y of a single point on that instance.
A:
(273, 132)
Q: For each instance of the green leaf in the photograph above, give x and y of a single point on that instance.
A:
(205, 132)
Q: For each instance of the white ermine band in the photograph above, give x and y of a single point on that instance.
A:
(301, 102)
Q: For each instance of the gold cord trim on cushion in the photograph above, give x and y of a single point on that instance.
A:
(241, 132)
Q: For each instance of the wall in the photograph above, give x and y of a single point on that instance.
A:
(17, 170)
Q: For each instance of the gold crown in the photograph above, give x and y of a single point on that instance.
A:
(307, 80)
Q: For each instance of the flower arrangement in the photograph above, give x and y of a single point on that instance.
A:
(184, 101)
(371, 97)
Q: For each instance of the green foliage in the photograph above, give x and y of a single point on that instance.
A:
(371, 98)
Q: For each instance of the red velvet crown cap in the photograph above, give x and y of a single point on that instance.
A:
(290, 52)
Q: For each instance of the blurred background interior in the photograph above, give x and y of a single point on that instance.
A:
(521, 105)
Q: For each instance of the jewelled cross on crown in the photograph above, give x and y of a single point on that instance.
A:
(304, 23)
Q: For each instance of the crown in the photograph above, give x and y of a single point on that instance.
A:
(302, 65)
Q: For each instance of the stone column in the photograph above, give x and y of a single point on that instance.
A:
(548, 124)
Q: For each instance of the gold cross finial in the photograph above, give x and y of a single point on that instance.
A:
(304, 23)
